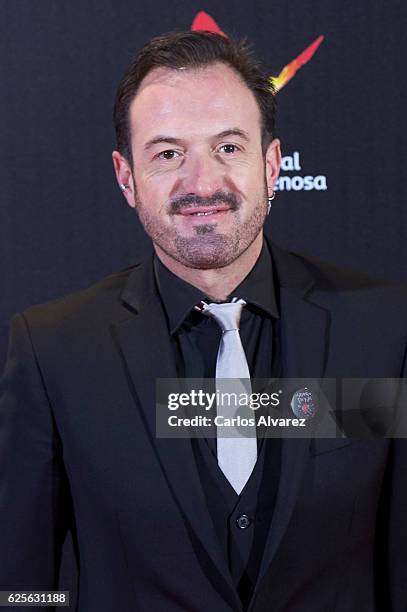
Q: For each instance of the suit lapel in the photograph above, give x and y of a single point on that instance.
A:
(304, 337)
(304, 322)
(145, 344)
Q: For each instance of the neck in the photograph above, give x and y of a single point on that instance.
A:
(216, 283)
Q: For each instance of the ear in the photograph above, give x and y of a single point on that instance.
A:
(273, 163)
(124, 176)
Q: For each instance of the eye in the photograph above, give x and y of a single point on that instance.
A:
(229, 148)
(168, 155)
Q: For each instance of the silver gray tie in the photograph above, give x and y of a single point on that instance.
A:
(237, 455)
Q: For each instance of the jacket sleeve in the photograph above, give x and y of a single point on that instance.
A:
(397, 566)
(33, 488)
(398, 510)
(391, 540)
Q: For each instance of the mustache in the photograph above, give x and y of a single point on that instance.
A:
(186, 201)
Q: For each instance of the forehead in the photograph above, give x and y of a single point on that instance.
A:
(193, 102)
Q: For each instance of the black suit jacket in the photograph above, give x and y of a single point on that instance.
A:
(78, 450)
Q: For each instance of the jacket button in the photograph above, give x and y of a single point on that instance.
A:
(243, 522)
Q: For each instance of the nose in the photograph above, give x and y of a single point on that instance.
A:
(202, 175)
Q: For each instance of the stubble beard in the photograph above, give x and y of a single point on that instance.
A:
(207, 249)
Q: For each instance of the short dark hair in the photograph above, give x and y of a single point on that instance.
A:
(193, 49)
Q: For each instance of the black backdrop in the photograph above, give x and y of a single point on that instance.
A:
(63, 222)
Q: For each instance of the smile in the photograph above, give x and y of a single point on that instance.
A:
(198, 214)
(204, 212)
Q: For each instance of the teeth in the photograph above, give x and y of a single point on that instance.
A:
(199, 214)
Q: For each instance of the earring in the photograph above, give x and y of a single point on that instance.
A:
(269, 201)
(123, 187)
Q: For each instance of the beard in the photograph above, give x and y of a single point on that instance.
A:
(208, 247)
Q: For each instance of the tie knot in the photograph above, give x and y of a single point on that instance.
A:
(226, 315)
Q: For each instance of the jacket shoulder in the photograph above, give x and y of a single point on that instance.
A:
(330, 276)
(95, 303)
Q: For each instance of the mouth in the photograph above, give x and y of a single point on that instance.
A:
(204, 211)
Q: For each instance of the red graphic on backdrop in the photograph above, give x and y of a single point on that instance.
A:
(203, 21)
(292, 68)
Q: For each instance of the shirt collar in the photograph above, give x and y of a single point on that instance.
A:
(180, 297)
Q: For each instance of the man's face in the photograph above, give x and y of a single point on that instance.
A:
(199, 180)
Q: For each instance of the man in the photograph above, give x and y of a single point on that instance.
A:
(157, 524)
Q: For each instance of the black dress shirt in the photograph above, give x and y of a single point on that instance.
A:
(241, 521)
(197, 336)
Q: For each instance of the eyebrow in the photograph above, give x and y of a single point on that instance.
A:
(176, 141)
